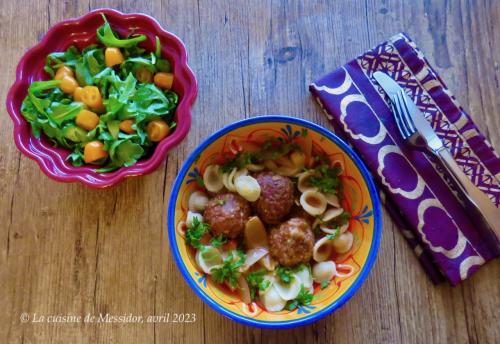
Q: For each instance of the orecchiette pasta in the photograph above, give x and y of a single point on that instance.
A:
(332, 199)
(212, 178)
(208, 258)
(255, 167)
(248, 188)
(331, 213)
(191, 215)
(313, 202)
(343, 242)
(288, 291)
(197, 201)
(304, 275)
(272, 300)
(323, 271)
(322, 249)
(303, 181)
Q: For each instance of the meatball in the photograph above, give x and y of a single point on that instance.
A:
(276, 197)
(227, 214)
(292, 242)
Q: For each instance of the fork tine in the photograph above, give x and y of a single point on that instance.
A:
(398, 115)
(405, 115)
(411, 124)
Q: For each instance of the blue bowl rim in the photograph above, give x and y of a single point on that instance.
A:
(377, 215)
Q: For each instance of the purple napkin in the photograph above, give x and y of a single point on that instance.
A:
(417, 193)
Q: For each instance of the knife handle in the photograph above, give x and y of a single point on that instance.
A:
(476, 201)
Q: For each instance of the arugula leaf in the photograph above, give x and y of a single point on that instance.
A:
(304, 298)
(195, 231)
(125, 152)
(229, 272)
(60, 113)
(107, 36)
(257, 282)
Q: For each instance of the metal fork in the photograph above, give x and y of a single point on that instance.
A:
(474, 200)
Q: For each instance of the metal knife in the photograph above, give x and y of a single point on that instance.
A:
(423, 137)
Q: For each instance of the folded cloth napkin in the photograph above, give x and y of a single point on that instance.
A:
(417, 193)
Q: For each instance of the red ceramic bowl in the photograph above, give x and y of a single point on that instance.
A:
(81, 33)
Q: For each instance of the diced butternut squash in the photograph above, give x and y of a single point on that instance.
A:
(87, 120)
(157, 130)
(164, 80)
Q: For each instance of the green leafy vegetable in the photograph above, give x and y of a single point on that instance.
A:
(304, 298)
(107, 37)
(51, 111)
(257, 282)
(195, 231)
(324, 284)
(229, 271)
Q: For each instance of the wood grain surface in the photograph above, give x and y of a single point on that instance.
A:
(66, 249)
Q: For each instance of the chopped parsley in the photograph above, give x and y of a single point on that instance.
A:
(257, 282)
(221, 202)
(324, 284)
(284, 274)
(195, 231)
(271, 149)
(333, 235)
(304, 298)
(199, 180)
(218, 241)
(238, 162)
(326, 179)
(229, 271)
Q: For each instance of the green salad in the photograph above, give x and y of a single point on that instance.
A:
(109, 103)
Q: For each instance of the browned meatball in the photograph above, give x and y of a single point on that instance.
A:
(292, 242)
(227, 214)
(276, 197)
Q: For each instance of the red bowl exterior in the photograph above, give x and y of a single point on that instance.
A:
(81, 32)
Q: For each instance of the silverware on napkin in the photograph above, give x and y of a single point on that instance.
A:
(417, 132)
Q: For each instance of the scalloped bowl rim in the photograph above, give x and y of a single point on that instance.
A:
(374, 247)
(51, 158)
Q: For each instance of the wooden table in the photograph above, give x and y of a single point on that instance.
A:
(66, 249)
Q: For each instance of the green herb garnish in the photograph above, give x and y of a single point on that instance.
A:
(218, 241)
(284, 274)
(195, 231)
(326, 179)
(229, 271)
(304, 298)
(257, 282)
(333, 235)
(324, 284)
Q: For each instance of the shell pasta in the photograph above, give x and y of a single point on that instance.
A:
(269, 223)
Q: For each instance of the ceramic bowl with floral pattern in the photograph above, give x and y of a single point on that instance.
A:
(360, 198)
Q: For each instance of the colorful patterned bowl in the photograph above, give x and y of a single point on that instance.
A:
(359, 193)
(81, 33)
